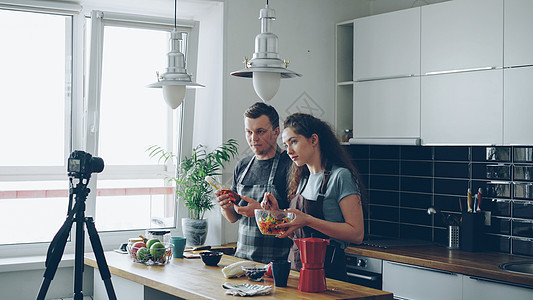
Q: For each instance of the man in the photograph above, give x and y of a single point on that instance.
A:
(264, 171)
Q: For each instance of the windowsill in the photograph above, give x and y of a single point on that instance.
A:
(31, 263)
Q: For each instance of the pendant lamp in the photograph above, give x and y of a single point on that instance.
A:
(175, 79)
(266, 68)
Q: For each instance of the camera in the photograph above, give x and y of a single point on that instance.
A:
(82, 163)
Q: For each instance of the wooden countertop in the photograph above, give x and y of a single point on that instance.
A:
(190, 278)
(480, 264)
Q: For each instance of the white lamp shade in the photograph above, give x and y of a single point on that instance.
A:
(266, 84)
(174, 95)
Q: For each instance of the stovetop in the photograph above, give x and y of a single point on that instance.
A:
(386, 243)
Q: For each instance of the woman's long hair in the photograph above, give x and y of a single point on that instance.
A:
(331, 151)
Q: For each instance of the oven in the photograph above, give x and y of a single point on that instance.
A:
(365, 271)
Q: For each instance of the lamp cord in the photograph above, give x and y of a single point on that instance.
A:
(176, 11)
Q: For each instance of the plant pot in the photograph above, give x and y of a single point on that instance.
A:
(194, 230)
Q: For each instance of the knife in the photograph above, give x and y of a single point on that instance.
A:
(469, 200)
(479, 200)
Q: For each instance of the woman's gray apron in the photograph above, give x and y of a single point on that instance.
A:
(252, 244)
(334, 264)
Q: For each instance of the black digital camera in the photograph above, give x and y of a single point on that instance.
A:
(83, 164)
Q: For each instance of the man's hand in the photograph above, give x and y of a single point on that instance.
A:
(223, 200)
(248, 210)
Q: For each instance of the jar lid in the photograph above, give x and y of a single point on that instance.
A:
(158, 232)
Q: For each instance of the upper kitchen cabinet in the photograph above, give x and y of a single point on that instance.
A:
(462, 35)
(387, 45)
(518, 105)
(386, 94)
(518, 45)
(462, 108)
(387, 111)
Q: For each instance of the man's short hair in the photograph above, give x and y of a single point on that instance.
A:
(260, 108)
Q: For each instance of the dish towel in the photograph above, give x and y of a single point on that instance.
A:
(247, 289)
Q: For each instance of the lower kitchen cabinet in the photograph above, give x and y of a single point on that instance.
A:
(479, 288)
(413, 282)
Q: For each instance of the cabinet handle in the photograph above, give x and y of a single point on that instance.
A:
(501, 282)
(385, 77)
(461, 70)
(424, 268)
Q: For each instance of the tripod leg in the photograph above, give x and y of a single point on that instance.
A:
(53, 258)
(100, 258)
(78, 251)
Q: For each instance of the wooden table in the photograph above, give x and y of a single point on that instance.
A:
(191, 279)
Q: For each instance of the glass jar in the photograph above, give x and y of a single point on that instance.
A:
(132, 241)
(162, 235)
(347, 135)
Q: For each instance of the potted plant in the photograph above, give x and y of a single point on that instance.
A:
(191, 187)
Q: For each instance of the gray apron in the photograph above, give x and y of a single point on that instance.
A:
(252, 244)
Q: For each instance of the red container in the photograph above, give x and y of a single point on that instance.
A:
(312, 274)
(312, 252)
(312, 280)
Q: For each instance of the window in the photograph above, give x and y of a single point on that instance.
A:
(133, 192)
(44, 118)
(36, 76)
(132, 118)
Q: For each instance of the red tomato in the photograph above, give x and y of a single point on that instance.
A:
(269, 270)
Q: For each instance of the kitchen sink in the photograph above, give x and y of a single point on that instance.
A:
(523, 267)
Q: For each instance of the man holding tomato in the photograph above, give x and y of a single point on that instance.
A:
(263, 172)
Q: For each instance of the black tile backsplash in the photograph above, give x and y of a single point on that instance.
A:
(416, 168)
(523, 154)
(448, 153)
(388, 167)
(415, 200)
(403, 181)
(452, 170)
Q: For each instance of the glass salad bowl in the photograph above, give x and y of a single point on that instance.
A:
(267, 220)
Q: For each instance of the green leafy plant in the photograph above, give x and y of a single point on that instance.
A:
(191, 187)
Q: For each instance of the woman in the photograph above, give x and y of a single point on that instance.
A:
(324, 191)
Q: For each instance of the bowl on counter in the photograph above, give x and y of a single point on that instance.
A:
(211, 258)
(159, 254)
(267, 220)
(254, 273)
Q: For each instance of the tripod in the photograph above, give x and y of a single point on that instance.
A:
(57, 246)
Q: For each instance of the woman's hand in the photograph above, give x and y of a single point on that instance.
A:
(248, 210)
(269, 202)
(300, 220)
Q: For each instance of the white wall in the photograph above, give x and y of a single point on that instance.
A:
(306, 30)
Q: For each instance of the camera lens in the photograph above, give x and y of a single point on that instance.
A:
(97, 165)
